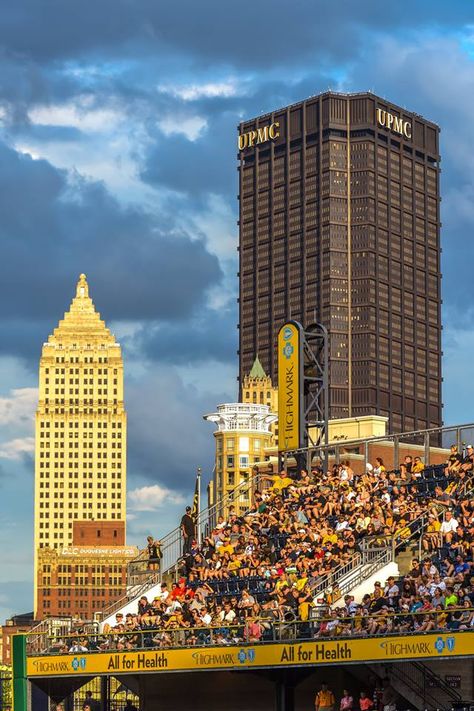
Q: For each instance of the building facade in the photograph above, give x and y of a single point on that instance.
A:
(339, 223)
(258, 388)
(86, 576)
(80, 431)
(243, 433)
(18, 624)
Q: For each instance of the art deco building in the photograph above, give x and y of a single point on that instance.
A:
(81, 435)
(339, 223)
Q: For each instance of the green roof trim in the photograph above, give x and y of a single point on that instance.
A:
(257, 370)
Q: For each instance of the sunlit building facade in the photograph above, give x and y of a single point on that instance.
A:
(81, 429)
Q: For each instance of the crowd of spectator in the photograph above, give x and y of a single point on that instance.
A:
(259, 576)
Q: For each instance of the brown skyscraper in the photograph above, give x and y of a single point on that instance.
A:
(339, 223)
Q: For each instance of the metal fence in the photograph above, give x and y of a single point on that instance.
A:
(277, 625)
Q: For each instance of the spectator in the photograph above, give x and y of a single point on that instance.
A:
(468, 461)
(448, 527)
(454, 461)
(154, 553)
(188, 531)
(347, 702)
(324, 699)
(365, 703)
(90, 703)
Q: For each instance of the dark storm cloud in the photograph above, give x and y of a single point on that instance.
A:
(24, 337)
(52, 228)
(163, 413)
(211, 336)
(207, 164)
(251, 33)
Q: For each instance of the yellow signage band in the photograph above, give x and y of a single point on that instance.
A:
(290, 419)
(317, 652)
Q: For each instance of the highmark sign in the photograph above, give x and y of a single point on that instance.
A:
(259, 135)
(350, 651)
(393, 123)
(290, 415)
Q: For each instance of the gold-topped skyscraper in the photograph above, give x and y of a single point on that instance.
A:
(81, 436)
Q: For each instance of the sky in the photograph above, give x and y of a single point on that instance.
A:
(118, 159)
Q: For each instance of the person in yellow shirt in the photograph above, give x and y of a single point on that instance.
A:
(431, 539)
(226, 547)
(324, 699)
(417, 466)
(281, 481)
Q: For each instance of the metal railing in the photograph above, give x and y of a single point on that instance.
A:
(345, 577)
(428, 438)
(281, 625)
(139, 576)
(425, 683)
(133, 592)
(54, 627)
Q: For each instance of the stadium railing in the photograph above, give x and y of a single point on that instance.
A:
(284, 629)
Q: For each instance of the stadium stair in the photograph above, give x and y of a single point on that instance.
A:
(422, 687)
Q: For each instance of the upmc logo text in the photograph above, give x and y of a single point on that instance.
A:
(259, 135)
(393, 123)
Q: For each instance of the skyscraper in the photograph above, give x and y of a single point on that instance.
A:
(81, 436)
(339, 223)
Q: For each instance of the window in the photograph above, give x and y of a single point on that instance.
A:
(243, 444)
(230, 461)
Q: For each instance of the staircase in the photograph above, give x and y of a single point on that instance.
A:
(419, 685)
(142, 581)
(343, 580)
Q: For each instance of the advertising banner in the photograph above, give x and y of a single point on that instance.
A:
(290, 400)
(317, 652)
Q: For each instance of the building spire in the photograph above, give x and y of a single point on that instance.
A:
(82, 289)
(257, 369)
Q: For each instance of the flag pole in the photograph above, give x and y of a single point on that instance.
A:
(199, 505)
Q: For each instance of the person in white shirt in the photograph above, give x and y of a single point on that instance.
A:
(171, 609)
(164, 593)
(205, 616)
(392, 591)
(227, 614)
(448, 527)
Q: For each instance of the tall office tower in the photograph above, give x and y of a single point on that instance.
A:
(339, 223)
(80, 438)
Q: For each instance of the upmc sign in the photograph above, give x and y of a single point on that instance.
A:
(393, 123)
(290, 401)
(259, 135)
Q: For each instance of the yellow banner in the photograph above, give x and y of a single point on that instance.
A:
(350, 651)
(289, 423)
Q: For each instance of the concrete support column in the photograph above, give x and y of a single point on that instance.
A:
(284, 693)
(104, 693)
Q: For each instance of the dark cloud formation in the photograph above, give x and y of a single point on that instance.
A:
(211, 336)
(209, 161)
(52, 228)
(263, 34)
(167, 437)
